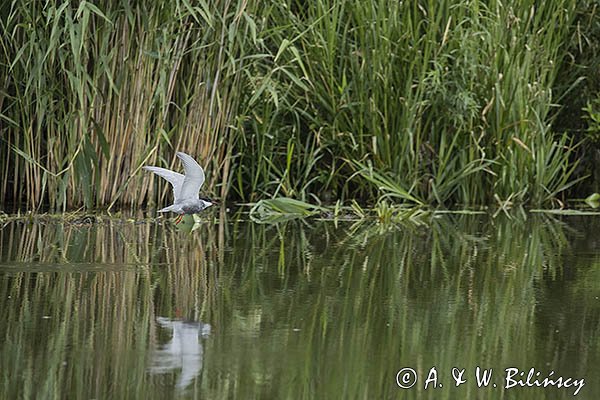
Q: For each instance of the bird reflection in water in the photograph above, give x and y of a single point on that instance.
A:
(184, 350)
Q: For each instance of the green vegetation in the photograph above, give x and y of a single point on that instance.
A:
(418, 102)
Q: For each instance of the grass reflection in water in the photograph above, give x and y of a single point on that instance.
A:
(299, 309)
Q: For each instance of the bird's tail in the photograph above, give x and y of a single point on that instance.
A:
(167, 209)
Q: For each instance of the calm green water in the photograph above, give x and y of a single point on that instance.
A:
(299, 310)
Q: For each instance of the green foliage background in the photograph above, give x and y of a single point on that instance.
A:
(426, 102)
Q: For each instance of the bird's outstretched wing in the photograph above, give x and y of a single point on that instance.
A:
(174, 178)
(194, 177)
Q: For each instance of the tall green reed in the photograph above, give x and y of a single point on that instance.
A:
(451, 102)
(95, 91)
(426, 102)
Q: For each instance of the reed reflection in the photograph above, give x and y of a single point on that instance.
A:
(293, 309)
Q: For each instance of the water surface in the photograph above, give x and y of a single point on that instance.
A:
(299, 309)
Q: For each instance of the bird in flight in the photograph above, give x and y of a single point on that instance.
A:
(185, 187)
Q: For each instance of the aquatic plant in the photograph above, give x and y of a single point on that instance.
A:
(447, 102)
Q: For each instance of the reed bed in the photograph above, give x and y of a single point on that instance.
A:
(447, 102)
